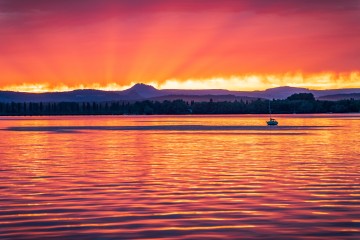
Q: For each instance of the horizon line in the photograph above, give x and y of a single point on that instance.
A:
(169, 89)
(246, 82)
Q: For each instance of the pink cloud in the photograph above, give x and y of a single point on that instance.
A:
(99, 41)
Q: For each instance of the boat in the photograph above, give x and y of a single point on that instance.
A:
(272, 121)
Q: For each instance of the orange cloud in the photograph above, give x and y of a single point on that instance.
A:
(62, 45)
(326, 80)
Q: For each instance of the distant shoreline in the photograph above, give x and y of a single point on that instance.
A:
(189, 114)
(303, 105)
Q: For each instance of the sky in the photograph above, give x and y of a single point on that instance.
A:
(61, 45)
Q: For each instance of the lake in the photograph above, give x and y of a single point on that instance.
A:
(180, 177)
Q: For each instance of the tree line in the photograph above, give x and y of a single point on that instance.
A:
(297, 103)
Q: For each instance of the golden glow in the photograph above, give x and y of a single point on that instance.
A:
(45, 87)
(68, 46)
(325, 80)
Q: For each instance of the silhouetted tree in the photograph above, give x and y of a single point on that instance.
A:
(302, 96)
(181, 107)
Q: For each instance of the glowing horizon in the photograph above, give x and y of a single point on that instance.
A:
(203, 44)
(319, 81)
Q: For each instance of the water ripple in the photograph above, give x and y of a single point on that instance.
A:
(226, 177)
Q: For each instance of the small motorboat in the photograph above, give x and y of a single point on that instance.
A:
(272, 122)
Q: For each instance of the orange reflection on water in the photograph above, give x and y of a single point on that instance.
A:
(297, 180)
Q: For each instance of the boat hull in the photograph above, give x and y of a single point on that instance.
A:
(272, 123)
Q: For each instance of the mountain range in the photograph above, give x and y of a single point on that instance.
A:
(140, 92)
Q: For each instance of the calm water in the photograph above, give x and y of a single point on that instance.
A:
(180, 177)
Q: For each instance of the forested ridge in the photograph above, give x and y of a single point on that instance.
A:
(296, 103)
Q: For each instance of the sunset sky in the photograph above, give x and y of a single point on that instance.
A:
(233, 44)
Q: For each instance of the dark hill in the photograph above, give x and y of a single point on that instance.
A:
(141, 92)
